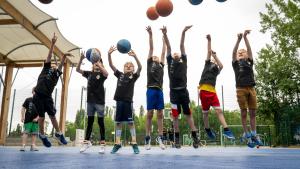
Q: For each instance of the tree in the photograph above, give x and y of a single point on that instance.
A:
(278, 66)
(142, 111)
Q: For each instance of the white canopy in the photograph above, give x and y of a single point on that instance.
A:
(26, 32)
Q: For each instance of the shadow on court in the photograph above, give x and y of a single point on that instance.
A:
(184, 158)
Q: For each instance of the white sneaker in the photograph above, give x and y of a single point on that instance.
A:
(147, 143)
(22, 148)
(102, 149)
(85, 145)
(160, 142)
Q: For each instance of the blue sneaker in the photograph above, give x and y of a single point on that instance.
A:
(228, 134)
(115, 148)
(250, 143)
(211, 134)
(256, 140)
(135, 149)
(61, 139)
(45, 140)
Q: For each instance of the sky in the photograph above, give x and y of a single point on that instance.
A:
(101, 23)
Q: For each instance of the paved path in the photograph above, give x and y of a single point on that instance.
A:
(184, 158)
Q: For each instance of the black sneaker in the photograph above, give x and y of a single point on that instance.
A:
(45, 140)
(147, 142)
(196, 142)
(61, 139)
(177, 143)
(115, 148)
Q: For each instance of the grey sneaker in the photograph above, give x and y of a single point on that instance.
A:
(22, 148)
(33, 148)
(160, 142)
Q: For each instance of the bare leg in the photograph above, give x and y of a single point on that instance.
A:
(190, 120)
(33, 139)
(54, 123)
(221, 118)
(176, 124)
(42, 125)
(244, 119)
(160, 122)
(205, 119)
(252, 113)
(149, 122)
(132, 132)
(24, 139)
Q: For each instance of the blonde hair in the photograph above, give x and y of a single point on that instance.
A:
(129, 63)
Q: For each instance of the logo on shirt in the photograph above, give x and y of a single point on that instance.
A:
(98, 77)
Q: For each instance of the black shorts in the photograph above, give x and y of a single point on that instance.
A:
(177, 108)
(124, 112)
(179, 96)
(44, 104)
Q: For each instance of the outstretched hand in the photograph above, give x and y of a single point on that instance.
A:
(54, 38)
(112, 49)
(164, 29)
(149, 30)
(246, 32)
(187, 28)
(240, 36)
(208, 37)
(131, 53)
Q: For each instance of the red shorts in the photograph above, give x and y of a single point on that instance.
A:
(209, 99)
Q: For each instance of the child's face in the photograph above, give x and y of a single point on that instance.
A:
(128, 67)
(155, 59)
(241, 54)
(176, 56)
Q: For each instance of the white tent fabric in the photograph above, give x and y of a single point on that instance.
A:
(19, 45)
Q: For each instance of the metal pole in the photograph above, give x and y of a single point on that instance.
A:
(1, 78)
(12, 111)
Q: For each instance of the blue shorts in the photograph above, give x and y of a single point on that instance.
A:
(155, 99)
(124, 112)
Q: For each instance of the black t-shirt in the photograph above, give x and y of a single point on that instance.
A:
(125, 86)
(177, 72)
(155, 74)
(243, 70)
(31, 112)
(47, 80)
(209, 73)
(95, 88)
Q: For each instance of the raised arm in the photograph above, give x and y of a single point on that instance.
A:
(149, 30)
(249, 51)
(209, 51)
(102, 68)
(111, 50)
(164, 31)
(234, 52)
(48, 59)
(131, 53)
(78, 69)
(219, 63)
(163, 52)
(182, 48)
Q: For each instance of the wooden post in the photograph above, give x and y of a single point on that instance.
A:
(5, 102)
(64, 97)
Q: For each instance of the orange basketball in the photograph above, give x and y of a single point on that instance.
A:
(151, 13)
(164, 7)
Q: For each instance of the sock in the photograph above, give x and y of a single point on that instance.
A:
(177, 135)
(118, 136)
(207, 129)
(226, 129)
(194, 134)
(133, 135)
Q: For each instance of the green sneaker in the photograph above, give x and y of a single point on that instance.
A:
(115, 148)
(135, 149)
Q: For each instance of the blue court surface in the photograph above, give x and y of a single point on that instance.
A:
(184, 158)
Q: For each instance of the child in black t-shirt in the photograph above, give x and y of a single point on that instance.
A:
(208, 94)
(179, 95)
(155, 96)
(123, 96)
(42, 99)
(95, 101)
(29, 117)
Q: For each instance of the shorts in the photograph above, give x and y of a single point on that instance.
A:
(155, 99)
(31, 128)
(44, 104)
(92, 108)
(124, 112)
(176, 109)
(246, 97)
(179, 96)
(209, 99)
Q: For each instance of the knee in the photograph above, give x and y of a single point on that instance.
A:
(159, 115)
(150, 115)
(219, 111)
(244, 113)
